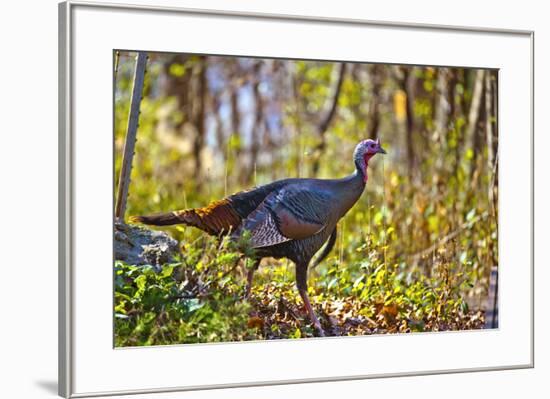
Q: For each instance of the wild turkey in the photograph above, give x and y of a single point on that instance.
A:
(290, 218)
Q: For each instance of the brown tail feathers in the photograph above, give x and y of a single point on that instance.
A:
(158, 219)
(217, 218)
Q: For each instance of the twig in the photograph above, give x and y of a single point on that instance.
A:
(450, 236)
(182, 296)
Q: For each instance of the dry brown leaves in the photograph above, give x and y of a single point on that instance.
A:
(278, 316)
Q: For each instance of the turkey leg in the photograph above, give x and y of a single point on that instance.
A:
(301, 283)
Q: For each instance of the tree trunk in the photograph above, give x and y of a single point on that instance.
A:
(374, 114)
(490, 126)
(178, 85)
(325, 122)
(472, 132)
(443, 105)
(407, 84)
(258, 125)
(199, 117)
(220, 135)
(235, 114)
(234, 144)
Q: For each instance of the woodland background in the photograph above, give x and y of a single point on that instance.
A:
(413, 255)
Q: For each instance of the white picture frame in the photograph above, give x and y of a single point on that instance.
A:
(86, 201)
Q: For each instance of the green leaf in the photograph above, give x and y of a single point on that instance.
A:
(141, 281)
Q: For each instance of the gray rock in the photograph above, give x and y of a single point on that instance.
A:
(137, 245)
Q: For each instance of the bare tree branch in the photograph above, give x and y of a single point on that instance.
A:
(131, 136)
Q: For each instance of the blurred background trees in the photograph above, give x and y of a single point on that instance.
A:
(212, 125)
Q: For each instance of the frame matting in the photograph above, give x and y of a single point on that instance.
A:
(89, 365)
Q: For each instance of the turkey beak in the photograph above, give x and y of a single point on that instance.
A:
(381, 150)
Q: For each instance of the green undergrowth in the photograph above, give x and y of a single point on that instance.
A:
(201, 298)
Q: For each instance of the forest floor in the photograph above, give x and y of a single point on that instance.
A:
(280, 316)
(199, 297)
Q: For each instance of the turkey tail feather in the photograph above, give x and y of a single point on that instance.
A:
(158, 219)
(326, 250)
(217, 218)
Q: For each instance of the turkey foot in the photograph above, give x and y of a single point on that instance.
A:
(311, 313)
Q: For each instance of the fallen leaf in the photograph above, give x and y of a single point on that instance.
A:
(255, 322)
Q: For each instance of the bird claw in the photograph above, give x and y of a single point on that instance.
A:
(318, 328)
(320, 331)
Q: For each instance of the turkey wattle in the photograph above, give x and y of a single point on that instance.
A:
(290, 218)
